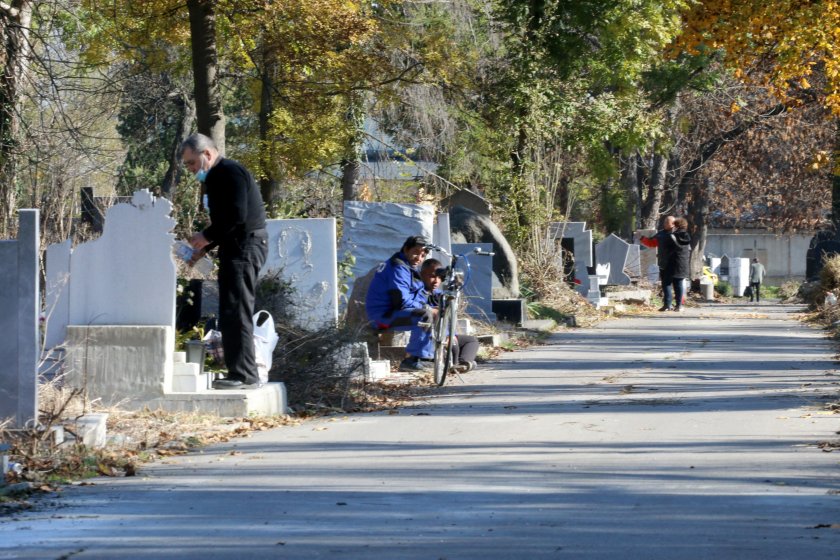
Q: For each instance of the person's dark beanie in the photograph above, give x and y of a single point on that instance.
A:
(413, 241)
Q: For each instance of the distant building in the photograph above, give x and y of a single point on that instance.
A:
(783, 255)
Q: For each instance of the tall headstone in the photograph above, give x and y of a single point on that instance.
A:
(373, 231)
(303, 253)
(57, 293)
(441, 236)
(127, 276)
(121, 330)
(478, 291)
(633, 267)
(582, 242)
(614, 250)
(19, 311)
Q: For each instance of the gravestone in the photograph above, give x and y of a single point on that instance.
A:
(614, 250)
(441, 236)
(373, 231)
(470, 227)
(478, 290)
(739, 275)
(582, 243)
(127, 276)
(19, 310)
(57, 293)
(303, 253)
(121, 320)
(633, 267)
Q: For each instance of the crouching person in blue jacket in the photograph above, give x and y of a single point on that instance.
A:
(397, 300)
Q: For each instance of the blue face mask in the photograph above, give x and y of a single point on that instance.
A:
(201, 174)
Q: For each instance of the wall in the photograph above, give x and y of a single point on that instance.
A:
(782, 255)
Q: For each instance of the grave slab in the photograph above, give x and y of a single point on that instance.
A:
(127, 276)
(57, 293)
(303, 253)
(19, 311)
(373, 231)
(614, 251)
(478, 291)
(120, 363)
(582, 241)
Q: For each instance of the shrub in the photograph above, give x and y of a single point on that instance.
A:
(830, 274)
(789, 290)
(724, 288)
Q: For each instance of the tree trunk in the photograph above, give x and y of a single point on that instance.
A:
(210, 117)
(351, 165)
(698, 211)
(835, 185)
(630, 184)
(269, 185)
(655, 191)
(170, 179)
(16, 20)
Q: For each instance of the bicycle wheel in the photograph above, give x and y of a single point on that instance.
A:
(444, 340)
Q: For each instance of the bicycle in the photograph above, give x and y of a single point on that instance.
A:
(443, 327)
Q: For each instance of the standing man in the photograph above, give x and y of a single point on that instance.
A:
(664, 258)
(757, 273)
(237, 227)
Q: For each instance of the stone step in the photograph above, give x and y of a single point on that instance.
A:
(187, 378)
(379, 370)
(495, 340)
(544, 325)
(268, 400)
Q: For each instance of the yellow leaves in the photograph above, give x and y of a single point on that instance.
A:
(821, 159)
(735, 107)
(804, 83)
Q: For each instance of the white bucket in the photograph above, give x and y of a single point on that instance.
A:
(91, 429)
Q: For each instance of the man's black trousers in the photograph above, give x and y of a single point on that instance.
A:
(239, 267)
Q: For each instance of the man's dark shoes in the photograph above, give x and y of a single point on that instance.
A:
(413, 364)
(227, 384)
(664, 308)
(224, 384)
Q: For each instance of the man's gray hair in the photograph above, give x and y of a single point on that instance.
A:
(197, 143)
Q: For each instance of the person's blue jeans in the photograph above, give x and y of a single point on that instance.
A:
(420, 343)
(679, 291)
(667, 291)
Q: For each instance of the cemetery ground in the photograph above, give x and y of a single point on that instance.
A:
(706, 434)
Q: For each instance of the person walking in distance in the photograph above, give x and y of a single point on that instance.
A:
(237, 228)
(664, 246)
(757, 273)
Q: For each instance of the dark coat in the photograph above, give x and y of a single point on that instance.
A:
(680, 266)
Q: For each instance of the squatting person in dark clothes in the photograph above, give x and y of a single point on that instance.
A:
(467, 348)
(237, 227)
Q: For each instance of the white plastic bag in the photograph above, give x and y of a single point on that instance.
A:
(265, 340)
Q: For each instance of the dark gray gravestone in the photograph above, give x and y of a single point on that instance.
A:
(19, 307)
(614, 250)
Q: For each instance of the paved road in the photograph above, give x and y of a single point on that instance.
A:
(673, 436)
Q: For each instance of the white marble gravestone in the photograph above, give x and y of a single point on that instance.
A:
(373, 231)
(121, 319)
(478, 291)
(582, 239)
(19, 310)
(57, 293)
(614, 250)
(441, 236)
(127, 276)
(303, 252)
(739, 275)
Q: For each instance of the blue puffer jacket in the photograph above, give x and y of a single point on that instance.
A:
(395, 286)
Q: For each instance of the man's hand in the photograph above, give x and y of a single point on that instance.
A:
(197, 254)
(199, 242)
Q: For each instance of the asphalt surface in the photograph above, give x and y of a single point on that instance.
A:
(685, 436)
